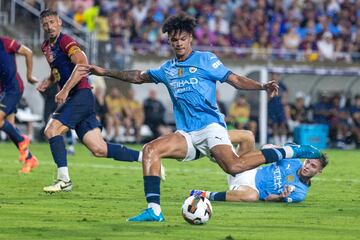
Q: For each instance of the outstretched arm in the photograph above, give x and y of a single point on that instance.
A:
(131, 76)
(242, 82)
(28, 54)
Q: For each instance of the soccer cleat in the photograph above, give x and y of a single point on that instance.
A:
(147, 215)
(162, 173)
(29, 165)
(24, 148)
(305, 151)
(59, 186)
(199, 193)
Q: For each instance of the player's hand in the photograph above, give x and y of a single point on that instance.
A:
(33, 80)
(272, 88)
(61, 96)
(96, 70)
(288, 189)
(81, 70)
(43, 86)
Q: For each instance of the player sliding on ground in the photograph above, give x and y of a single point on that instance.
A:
(11, 90)
(287, 180)
(191, 79)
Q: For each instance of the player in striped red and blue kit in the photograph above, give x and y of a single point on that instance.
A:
(76, 103)
(11, 90)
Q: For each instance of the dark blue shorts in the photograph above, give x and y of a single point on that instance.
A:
(9, 100)
(78, 112)
(276, 114)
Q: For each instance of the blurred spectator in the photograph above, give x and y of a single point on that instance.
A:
(65, 7)
(239, 115)
(297, 113)
(140, 10)
(155, 115)
(79, 15)
(217, 23)
(339, 126)
(326, 47)
(90, 15)
(276, 112)
(115, 106)
(309, 47)
(355, 117)
(133, 117)
(355, 46)
(102, 31)
(291, 43)
(321, 110)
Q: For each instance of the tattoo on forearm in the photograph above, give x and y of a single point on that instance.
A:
(132, 76)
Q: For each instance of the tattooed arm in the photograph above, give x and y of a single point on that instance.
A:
(131, 76)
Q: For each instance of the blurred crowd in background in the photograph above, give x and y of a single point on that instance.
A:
(305, 30)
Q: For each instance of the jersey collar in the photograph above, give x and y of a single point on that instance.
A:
(178, 61)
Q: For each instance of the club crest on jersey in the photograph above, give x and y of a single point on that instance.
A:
(48, 54)
(192, 69)
(290, 178)
(180, 72)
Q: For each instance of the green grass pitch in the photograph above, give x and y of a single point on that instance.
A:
(106, 192)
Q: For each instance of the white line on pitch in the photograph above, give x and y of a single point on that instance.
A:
(137, 167)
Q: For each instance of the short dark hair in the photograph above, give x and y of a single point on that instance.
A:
(179, 22)
(48, 12)
(323, 160)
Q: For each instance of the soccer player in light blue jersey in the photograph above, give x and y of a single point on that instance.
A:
(287, 180)
(191, 79)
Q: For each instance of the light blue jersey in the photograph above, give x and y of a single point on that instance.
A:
(271, 179)
(192, 87)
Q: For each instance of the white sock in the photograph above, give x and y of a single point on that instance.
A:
(289, 152)
(156, 207)
(283, 139)
(140, 156)
(63, 174)
(207, 194)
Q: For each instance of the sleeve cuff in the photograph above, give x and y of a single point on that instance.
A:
(224, 79)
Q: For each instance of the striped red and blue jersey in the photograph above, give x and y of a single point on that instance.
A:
(9, 78)
(58, 55)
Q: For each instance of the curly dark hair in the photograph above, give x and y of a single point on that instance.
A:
(48, 12)
(179, 22)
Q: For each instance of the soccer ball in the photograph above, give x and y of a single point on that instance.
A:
(196, 210)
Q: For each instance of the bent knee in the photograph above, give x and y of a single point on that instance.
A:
(150, 150)
(249, 135)
(99, 151)
(50, 132)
